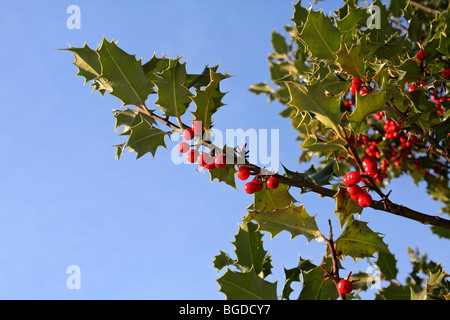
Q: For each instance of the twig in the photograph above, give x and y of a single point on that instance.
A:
(424, 8)
(322, 191)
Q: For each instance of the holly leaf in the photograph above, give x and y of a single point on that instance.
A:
(173, 96)
(246, 286)
(272, 199)
(249, 250)
(87, 61)
(89, 67)
(226, 174)
(124, 74)
(279, 44)
(293, 219)
(442, 130)
(351, 60)
(358, 241)
(324, 148)
(320, 36)
(394, 292)
(145, 138)
(387, 264)
(261, 88)
(365, 105)
(315, 288)
(314, 101)
(208, 100)
(128, 118)
(293, 275)
(346, 207)
(155, 66)
(223, 260)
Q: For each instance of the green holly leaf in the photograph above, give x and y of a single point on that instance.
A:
(442, 233)
(300, 14)
(173, 97)
(145, 138)
(315, 288)
(394, 292)
(89, 67)
(261, 88)
(421, 295)
(198, 81)
(387, 264)
(325, 148)
(155, 66)
(128, 118)
(87, 61)
(442, 130)
(279, 44)
(320, 36)
(226, 174)
(314, 101)
(246, 286)
(293, 219)
(208, 100)
(272, 199)
(358, 241)
(249, 250)
(354, 17)
(351, 60)
(293, 275)
(124, 74)
(365, 105)
(223, 260)
(346, 207)
(396, 7)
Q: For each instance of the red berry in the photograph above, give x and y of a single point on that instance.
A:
(352, 178)
(446, 73)
(197, 127)
(183, 147)
(356, 83)
(220, 161)
(364, 200)
(251, 187)
(412, 88)
(259, 184)
(354, 190)
(363, 91)
(370, 163)
(204, 159)
(420, 55)
(345, 286)
(243, 173)
(192, 155)
(188, 134)
(352, 89)
(210, 166)
(272, 183)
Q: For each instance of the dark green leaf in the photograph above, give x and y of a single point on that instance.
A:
(246, 286)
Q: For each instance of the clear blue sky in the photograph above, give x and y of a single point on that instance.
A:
(144, 229)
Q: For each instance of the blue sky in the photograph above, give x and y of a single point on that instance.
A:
(142, 229)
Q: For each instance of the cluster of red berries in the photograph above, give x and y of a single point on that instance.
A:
(256, 184)
(208, 161)
(357, 86)
(392, 129)
(379, 115)
(438, 97)
(351, 180)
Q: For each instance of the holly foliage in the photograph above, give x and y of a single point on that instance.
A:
(397, 115)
